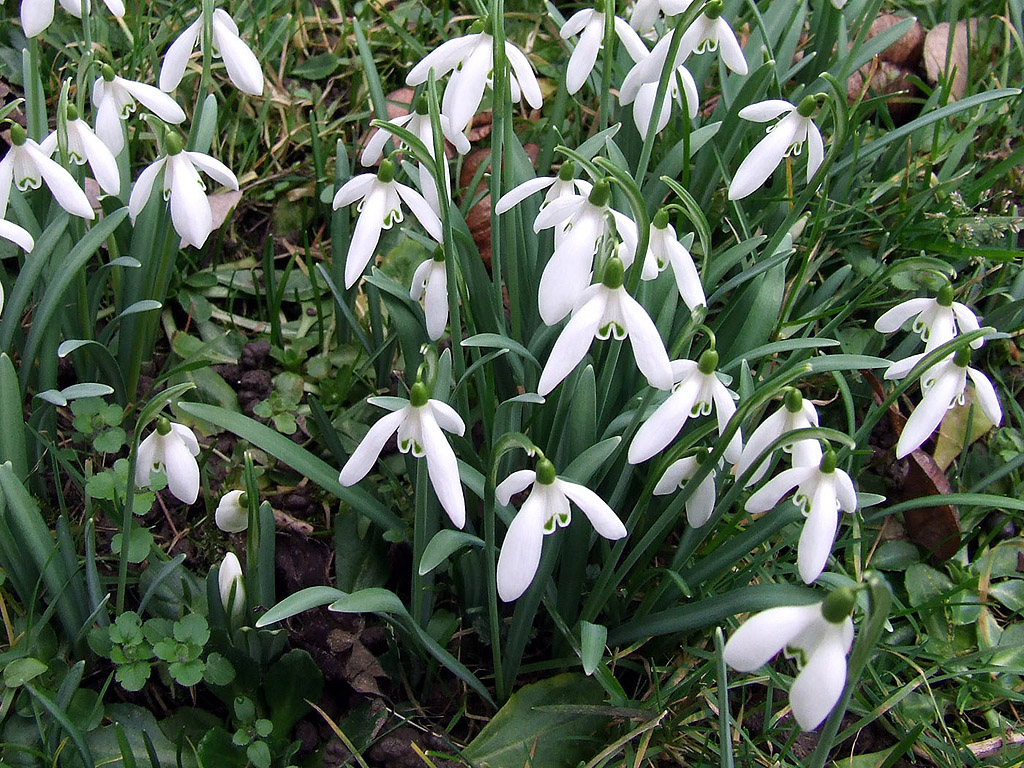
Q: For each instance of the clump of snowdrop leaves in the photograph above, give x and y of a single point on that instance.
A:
(818, 636)
(822, 491)
(114, 97)
(419, 426)
(191, 213)
(170, 448)
(380, 207)
(28, 166)
(470, 59)
(37, 15)
(545, 509)
(243, 67)
(784, 138)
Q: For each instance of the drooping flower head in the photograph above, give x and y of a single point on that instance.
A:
(114, 99)
(640, 87)
(581, 223)
(28, 166)
(664, 250)
(84, 146)
(191, 213)
(231, 586)
(944, 385)
(710, 32)
(818, 636)
(545, 509)
(565, 184)
(430, 282)
(822, 491)
(419, 426)
(470, 59)
(590, 23)
(380, 207)
(645, 12)
(243, 67)
(936, 320)
(785, 138)
(36, 15)
(170, 448)
(232, 515)
(606, 309)
(796, 413)
(701, 503)
(697, 392)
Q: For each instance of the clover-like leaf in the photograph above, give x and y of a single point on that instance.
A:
(133, 676)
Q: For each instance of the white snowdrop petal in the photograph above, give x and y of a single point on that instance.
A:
(763, 635)
(443, 469)
(819, 685)
(515, 483)
(365, 455)
(521, 549)
(177, 56)
(600, 515)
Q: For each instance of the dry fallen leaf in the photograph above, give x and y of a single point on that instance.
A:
(953, 430)
(222, 204)
(936, 44)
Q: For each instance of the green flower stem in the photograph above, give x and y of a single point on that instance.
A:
(421, 534)
(127, 513)
(252, 533)
(206, 79)
(500, 133)
(604, 115)
(490, 555)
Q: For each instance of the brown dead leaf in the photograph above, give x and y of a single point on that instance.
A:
(936, 529)
(953, 430)
(892, 72)
(936, 44)
(222, 204)
(905, 52)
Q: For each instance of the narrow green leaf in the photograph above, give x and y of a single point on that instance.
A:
(303, 600)
(445, 544)
(12, 419)
(593, 638)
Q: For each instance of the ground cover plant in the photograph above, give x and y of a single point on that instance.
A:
(511, 384)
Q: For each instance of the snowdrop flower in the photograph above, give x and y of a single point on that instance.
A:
(822, 491)
(944, 385)
(36, 15)
(27, 165)
(818, 636)
(701, 502)
(645, 12)
(171, 448)
(232, 587)
(232, 515)
(419, 426)
(546, 508)
(470, 60)
(640, 87)
(606, 309)
(417, 123)
(665, 250)
(565, 184)
(696, 393)
(243, 67)
(710, 32)
(785, 138)
(430, 281)
(796, 413)
(584, 56)
(581, 224)
(936, 320)
(190, 207)
(380, 207)
(114, 99)
(85, 146)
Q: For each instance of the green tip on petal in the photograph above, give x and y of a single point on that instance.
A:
(838, 606)
(807, 106)
(107, 72)
(708, 362)
(418, 395)
(568, 171)
(545, 472)
(945, 297)
(794, 400)
(962, 357)
(828, 462)
(18, 135)
(386, 172)
(163, 426)
(600, 194)
(661, 219)
(713, 9)
(613, 273)
(173, 143)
